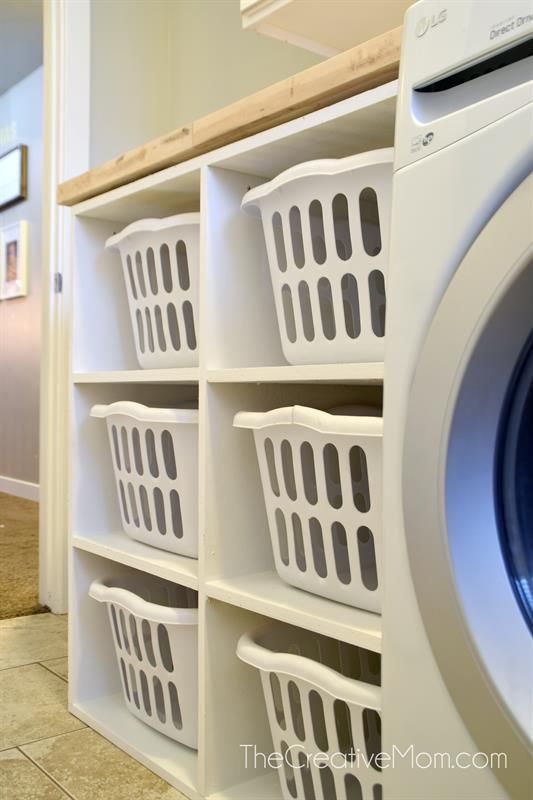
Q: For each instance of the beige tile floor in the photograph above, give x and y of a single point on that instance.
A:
(46, 753)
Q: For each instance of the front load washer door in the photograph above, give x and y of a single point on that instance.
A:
(468, 488)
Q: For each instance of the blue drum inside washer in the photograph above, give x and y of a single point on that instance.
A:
(514, 481)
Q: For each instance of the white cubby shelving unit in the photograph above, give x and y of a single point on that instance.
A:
(241, 366)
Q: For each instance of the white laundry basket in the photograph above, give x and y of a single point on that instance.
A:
(155, 460)
(155, 632)
(326, 226)
(323, 703)
(321, 477)
(160, 259)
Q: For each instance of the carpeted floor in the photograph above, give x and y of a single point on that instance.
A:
(19, 557)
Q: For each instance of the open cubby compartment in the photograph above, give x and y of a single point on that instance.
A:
(103, 338)
(96, 521)
(235, 711)
(238, 745)
(95, 690)
(239, 314)
(239, 565)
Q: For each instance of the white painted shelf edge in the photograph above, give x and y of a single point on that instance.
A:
(120, 548)
(265, 593)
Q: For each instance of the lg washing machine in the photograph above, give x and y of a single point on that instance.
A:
(458, 415)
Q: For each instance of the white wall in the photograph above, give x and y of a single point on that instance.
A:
(159, 64)
(214, 61)
(20, 318)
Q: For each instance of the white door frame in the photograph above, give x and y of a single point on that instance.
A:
(66, 153)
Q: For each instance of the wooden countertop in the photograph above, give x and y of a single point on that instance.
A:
(356, 70)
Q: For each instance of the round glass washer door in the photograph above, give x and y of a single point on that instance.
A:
(514, 482)
(466, 518)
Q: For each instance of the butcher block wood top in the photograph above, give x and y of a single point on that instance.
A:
(357, 70)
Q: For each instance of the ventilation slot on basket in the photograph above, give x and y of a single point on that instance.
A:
(316, 224)
(147, 642)
(341, 225)
(175, 707)
(295, 222)
(306, 311)
(283, 542)
(367, 558)
(183, 265)
(279, 243)
(152, 275)
(164, 648)
(166, 270)
(173, 326)
(299, 549)
(145, 508)
(125, 680)
(146, 694)
(277, 700)
(175, 507)
(132, 279)
(327, 313)
(370, 229)
(376, 286)
(159, 504)
(288, 312)
(307, 780)
(359, 476)
(372, 733)
(288, 770)
(140, 330)
(308, 473)
(296, 710)
(332, 474)
(168, 455)
(317, 546)
(343, 726)
(316, 707)
(353, 788)
(188, 320)
(135, 638)
(159, 700)
(328, 783)
(115, 627)
(116, 451)
(288, 469)
(271, 466)
(133, 505)
(350, 303)
(125, 449)
(159, 328)
(151, 453)
(133, 684)
(149, 330)
(340, 552)
(140, 274)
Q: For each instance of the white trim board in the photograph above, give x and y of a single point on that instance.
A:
(18, 488)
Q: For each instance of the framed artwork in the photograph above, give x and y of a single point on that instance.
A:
(14, 260)
(13, 176)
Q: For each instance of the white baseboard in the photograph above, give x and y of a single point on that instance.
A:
(18, 488)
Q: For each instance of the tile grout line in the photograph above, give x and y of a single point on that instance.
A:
(44, 772)
(31, 663)
(52, 671)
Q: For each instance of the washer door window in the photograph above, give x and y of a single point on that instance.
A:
(515, 482)
(467, 486)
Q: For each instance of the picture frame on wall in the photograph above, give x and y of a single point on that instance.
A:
(13, 176)
(14, 260)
